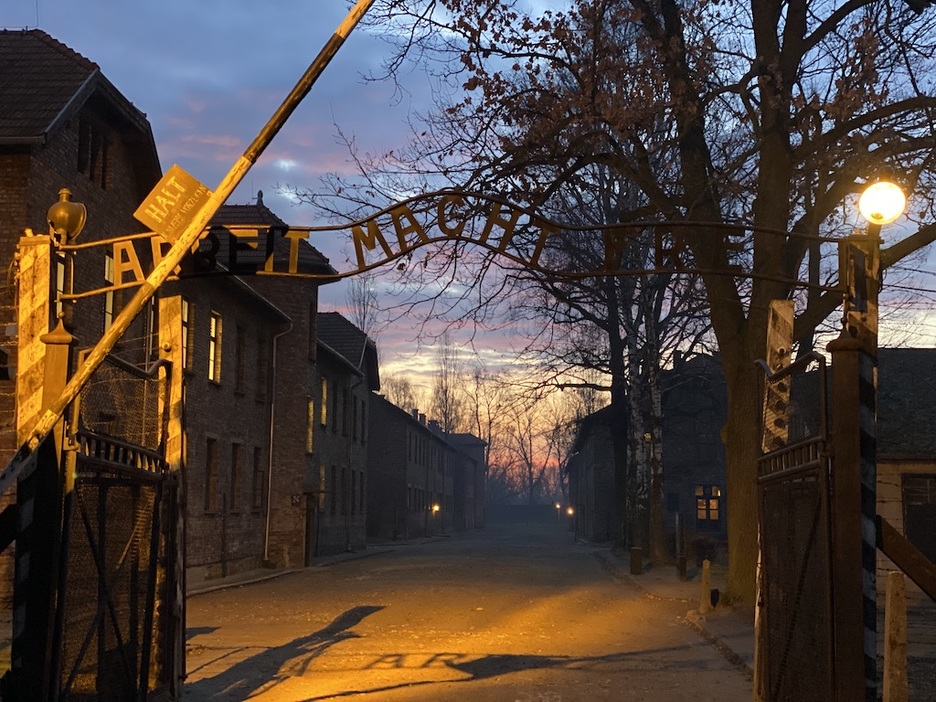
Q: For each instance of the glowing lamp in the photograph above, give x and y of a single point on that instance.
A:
(570, 511)
(882, 202)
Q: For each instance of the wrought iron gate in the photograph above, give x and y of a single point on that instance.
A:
(108, 636)
(793, 500)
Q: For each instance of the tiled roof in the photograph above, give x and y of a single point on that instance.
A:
(310, 260)
(39, 76)
(906, 403)
(352, 343)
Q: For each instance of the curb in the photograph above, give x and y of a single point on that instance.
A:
(692, 619)
(327, 561)
(695, 621)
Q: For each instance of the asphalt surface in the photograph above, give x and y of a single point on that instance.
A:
(513, 614)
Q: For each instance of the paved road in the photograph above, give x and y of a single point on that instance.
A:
(512, 614)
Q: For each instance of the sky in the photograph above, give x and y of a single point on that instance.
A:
(210, 74)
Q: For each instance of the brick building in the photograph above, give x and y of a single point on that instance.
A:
(694, 410)
(278, 399)
(63, 124)
(347, 377)
(421, 480)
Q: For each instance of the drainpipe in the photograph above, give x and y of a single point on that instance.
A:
(269, 492)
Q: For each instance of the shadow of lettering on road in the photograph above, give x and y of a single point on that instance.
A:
(268, 668)
(492, 665)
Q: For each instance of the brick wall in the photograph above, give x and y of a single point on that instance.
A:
(226, 515)
(339, 456)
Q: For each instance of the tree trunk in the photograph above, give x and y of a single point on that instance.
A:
(741, 441)
(659, 553)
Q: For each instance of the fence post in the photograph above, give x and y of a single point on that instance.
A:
(895, 639)
(854, 475)
(171, 345)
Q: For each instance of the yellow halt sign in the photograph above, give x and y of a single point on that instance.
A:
(173, 203)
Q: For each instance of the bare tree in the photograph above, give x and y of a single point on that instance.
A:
(752, 125)
(399, 390)
(448, 402)
(362, 302)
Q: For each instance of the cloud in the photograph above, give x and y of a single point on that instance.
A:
(209, 75)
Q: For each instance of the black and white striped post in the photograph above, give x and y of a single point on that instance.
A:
(854, 464)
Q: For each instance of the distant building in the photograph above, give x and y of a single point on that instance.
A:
(347, 377)
(471, 482)
(694, 410)
(407, 469)
(590, 470)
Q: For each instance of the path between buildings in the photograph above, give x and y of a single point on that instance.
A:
(729, 630)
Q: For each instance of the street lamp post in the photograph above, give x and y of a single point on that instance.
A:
(854, 466)
(558, 514)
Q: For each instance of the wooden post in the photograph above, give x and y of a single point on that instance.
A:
(895, 639)
(172, 610)
(34, 318)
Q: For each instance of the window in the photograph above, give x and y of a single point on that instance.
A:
(919, 503)
(334, 409)
(363, 421)
(334, 489)
(312, 339)
(257, 485)
(93, 152)
(214, 348)
(324, 406)
(261, 367)
(321, 504)
(211, 475)
(240, 357)
(354, 425)
(344, 490)
(344, 411)
(708, 505)
(188, 325)
(236, 458)
(354, 484)
(310, 424)
(109, 295)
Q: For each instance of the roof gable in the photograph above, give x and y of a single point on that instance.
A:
(309, 259)
(39, 76)
(352, 343)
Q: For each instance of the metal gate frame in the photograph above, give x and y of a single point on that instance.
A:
(793, 491)
(95, 615)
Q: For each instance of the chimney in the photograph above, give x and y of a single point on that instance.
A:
(434, 426)
(422, 419)
(415, 413)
